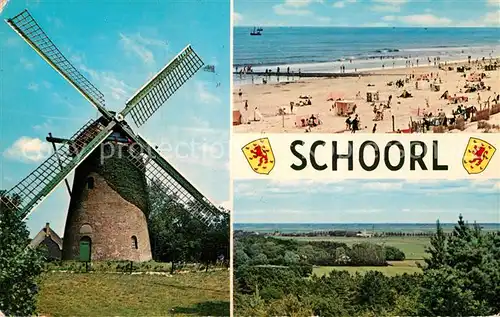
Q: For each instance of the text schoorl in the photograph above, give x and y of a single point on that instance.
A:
(415, 152)
(350, 156)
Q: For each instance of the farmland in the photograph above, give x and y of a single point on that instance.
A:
(413, 247)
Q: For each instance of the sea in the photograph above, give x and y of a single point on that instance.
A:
(325, 49)
(369, 227)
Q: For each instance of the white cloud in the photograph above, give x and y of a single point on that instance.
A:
(300, 3)
(492, 18)
(33, 86)
(419, 20)
(140, 45)
(3, 4)
(26, 63)
(375, 25)
(282, 9)
(389, 18)
(30, 150)
(204, 95)
(324, 20)
(351, 1)
(386, 8)
(237, 18)
(383, 186)
(46, 84)
(388, 5)
(55, 21)
(488, 20)
(339, 4)
(44, 127)
(489, 2)
(424, 20)
(393, 2)
(117, 88)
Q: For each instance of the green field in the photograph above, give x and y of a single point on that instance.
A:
(108, 294)
(413, 247)
(396, 268)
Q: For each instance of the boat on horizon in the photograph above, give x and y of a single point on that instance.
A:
(255, 32)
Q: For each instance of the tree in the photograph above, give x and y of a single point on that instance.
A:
(437, 249)
(463, 273)
(291, 258)
(177, 235)
(20, 265)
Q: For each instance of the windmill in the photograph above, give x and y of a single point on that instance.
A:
(114, 167)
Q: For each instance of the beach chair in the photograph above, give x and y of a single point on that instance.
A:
(237, 117)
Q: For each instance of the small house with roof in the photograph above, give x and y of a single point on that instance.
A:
(51, 240)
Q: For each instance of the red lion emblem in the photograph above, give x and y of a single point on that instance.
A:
(261, 153)
(479, 154)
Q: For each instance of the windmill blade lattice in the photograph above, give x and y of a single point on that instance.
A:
(26, 26)
(163, 177)
(33, 189)
(162, 86)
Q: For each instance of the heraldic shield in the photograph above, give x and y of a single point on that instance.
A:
(259, 155)
(477, 155)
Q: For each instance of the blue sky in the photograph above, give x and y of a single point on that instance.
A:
(118, 46)
(366, 201)
(367, 13)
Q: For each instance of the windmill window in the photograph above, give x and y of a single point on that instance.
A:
(90, 183)
(134, 243)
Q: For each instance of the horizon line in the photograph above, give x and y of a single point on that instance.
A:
(381, 223)
(368, 27)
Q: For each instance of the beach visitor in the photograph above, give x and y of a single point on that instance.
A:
(277, 70)
(246, 105)
(240, 93)
(355, 124)
(348, 123)
(479, 100)
(374, 128)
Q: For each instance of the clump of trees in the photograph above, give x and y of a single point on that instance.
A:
(257, 250)
(177, 236)
(20, 265)
(461, 277)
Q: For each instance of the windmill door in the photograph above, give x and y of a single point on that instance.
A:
(85, 249)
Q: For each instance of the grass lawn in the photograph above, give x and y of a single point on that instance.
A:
(413, 247)
(396, 268)
(101, 294)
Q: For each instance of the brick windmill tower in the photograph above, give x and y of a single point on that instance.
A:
(114, 168)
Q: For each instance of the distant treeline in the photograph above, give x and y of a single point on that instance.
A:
(345, 233)
(260, 250)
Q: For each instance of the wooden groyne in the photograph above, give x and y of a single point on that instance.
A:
(320, 75)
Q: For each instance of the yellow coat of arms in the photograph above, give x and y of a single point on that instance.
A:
(259, 155)
(477, 155)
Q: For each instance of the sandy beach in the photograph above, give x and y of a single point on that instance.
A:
(264, 101)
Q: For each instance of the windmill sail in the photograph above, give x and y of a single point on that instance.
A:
(33, 189)
(30, 31)
(162, 86)
(164, 177)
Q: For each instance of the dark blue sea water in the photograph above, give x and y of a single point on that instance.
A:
(378, 227)
(326, 48)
